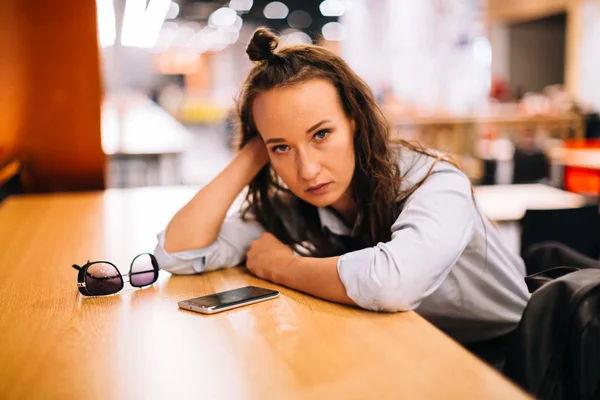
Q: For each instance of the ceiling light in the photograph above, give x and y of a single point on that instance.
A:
(296, 37)
(241, 5)
(167, 36)
(332, 8)
(236, 27)
(107, 28)
(185, 34)
(141, 24)
(173, 11)
(348, 4)
(223, 16)
(299, 19)
(276, 10)
(334, 31)
(211, 39)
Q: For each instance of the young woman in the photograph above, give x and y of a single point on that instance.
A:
(332, 210)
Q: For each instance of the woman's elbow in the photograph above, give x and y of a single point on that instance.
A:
(390, 298)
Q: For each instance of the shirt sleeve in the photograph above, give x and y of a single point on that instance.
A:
(433, 229)
(228, 250)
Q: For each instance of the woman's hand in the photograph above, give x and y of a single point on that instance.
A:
(256, 150)
(272, 260)
(268, 258)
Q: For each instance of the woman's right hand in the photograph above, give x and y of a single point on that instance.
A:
(256, 150)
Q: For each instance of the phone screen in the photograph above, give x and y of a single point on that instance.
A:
(232, 297)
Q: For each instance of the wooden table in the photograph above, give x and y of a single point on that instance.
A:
(139, 345)
(509, 202)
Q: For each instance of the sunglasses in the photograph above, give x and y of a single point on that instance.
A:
(100, 278)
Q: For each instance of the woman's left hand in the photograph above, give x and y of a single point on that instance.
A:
(268, 258)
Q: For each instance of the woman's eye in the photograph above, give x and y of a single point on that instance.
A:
(321, 134)
(282, 148)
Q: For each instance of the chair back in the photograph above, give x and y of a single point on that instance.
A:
(529, 167)
(554, 353)
(577, 228)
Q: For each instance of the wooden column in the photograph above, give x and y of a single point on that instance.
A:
(52, 123)
(11, 79)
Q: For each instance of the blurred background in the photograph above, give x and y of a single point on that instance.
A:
(129, 93)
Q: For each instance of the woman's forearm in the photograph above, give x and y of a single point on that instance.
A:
(198, 223)
(316, 276)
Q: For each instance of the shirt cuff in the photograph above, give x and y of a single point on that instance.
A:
(183, 262)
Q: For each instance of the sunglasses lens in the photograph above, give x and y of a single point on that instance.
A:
(102, 278)
(143, 272)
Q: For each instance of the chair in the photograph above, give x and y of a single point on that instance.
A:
(489, 172)
(554, 350)
(10, 179)
(551, 258)
(529, 167)
(592, 126)
(577, 228)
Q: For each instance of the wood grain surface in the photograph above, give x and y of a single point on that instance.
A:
(55, 343)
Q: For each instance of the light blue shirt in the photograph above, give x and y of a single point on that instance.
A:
(444, 259)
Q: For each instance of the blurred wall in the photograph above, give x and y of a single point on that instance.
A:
(50, 97)
(499, 40)
(582, 42)
(433, 55)
(537, 54)
(587, 75)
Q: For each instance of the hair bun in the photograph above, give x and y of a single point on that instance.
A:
(262, 45)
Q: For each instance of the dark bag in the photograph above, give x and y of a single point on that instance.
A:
(536, 281)
(556, 350)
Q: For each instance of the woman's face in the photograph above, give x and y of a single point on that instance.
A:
(309, 139)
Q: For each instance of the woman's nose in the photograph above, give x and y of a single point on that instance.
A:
(308, 166)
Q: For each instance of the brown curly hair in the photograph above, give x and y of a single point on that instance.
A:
(376, 180)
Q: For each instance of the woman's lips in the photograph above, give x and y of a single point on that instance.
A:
(319, 189)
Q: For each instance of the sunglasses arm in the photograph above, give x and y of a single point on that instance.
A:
(77, 267)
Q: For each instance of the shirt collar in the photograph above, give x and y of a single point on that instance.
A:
(334, 224)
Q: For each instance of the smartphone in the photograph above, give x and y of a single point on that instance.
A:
(214, 303)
